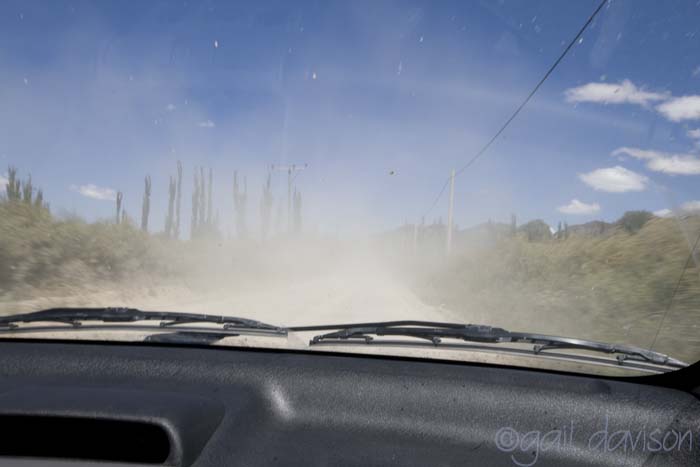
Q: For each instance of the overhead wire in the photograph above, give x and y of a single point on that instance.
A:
(521, 106)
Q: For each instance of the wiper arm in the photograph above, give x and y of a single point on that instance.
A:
(435, 332)
(77, 316)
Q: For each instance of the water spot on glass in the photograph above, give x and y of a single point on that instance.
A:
(21, 16)
(216, 44)
(131, 78)
(400, 69)
(619, 36)
(538, 29)
(420, 39)
(313, 75)
(289, 50)
(580, 41)
(26, 81)
(603, 77)
(534, 18)
(170, 107)
(301, 29)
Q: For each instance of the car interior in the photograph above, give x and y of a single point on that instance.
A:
(349, 233)
(115, 403)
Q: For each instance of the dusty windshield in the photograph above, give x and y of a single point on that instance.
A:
(528, 165)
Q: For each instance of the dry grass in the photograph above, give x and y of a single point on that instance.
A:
(614, 288)
(40, 252)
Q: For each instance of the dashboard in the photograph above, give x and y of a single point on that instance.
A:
(89, 403)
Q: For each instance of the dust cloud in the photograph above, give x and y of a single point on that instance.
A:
(612, 283)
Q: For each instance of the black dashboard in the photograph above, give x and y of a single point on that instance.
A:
(154, 404)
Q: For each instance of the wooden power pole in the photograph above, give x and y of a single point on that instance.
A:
(450, 213)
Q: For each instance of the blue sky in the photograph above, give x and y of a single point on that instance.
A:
(95, 95)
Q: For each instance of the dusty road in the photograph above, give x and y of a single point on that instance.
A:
(354, 289)
(350, 294)
(354, 292)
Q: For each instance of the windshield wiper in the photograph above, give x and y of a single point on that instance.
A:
(188, 337)
(77, 317)
(434, 332)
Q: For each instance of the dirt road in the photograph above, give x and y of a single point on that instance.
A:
(353, 289)
(347, 295)
(351, 294)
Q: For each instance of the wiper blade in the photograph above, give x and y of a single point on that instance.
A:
(188, 337)
(77, 316)
(435, 332)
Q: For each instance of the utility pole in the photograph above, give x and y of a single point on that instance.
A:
(415, 237)
(450, 213)
(290, 169)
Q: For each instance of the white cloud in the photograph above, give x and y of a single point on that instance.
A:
(681, 108)
(606, 93)
(578, 207)
(614, 180)
(694, 133)
(95, 192)
(674, 164)
(206, 124)
(3, 182)
(675, 109)
(691, 206)
(637, 153)
(686, 208)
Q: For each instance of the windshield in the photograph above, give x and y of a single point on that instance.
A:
(532, 166)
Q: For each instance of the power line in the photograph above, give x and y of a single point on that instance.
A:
(437, 198)
(675, 291)
(524, 103)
